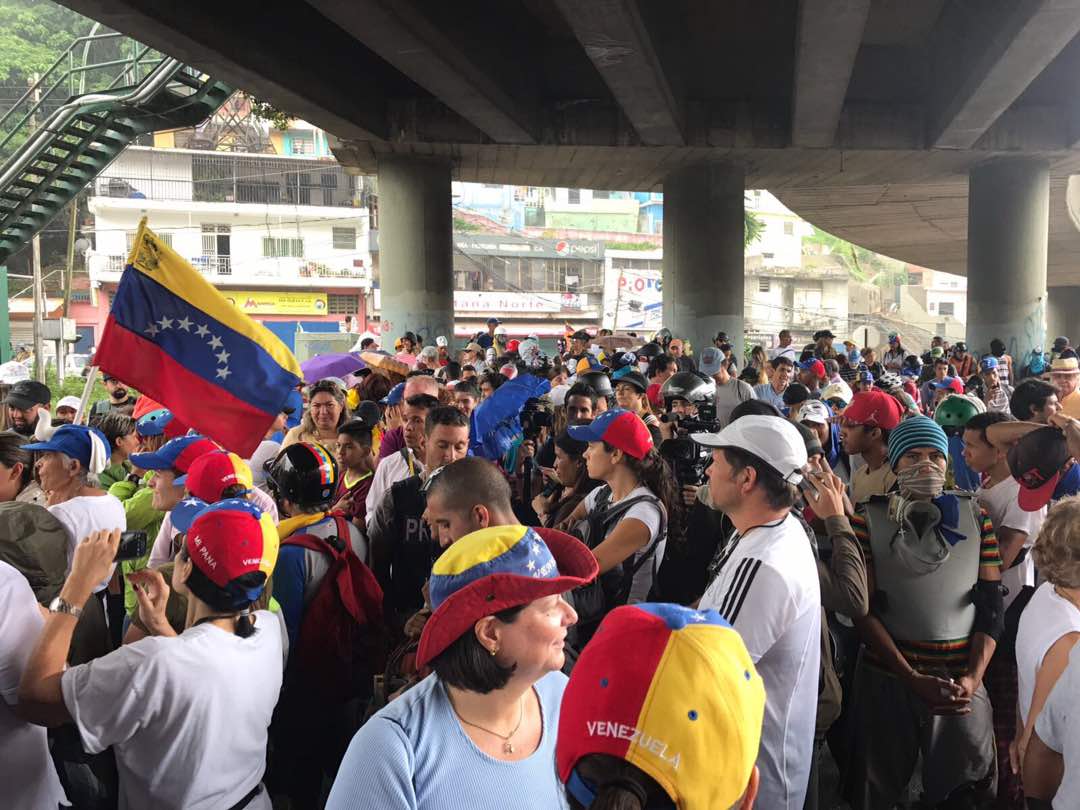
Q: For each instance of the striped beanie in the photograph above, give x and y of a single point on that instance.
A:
(916, 431)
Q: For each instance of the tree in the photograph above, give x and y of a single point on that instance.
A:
(33, 35)
(752, 227)
(862, 264)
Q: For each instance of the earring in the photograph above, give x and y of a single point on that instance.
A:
(494, 650)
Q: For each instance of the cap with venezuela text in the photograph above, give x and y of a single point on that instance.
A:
(232, 538)
(212, 473)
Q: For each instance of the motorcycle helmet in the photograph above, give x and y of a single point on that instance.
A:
(689, 386)
(912, 366)
(305, 474)
(650, 350)
(598, 381)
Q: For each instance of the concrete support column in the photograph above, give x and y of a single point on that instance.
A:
(1008, 228)
(416, 263)
(1062, 314)
(703, 273)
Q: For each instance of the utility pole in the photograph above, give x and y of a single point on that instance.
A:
(39, 288)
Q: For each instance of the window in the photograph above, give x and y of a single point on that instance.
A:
(80, 296)
(789, 229)
(302, 144)
(601, 195)
(573, 196)
(345, 238)
(946, 308)
(763, 285)
(281, 247)
(165, 237)
(340, 304)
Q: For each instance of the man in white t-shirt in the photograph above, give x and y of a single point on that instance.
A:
(768, 589)
(1052, 764)
(66, 459)
(187, 715)
(26, 769)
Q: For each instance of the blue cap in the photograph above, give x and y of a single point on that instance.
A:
(397, 393)
(153, 423)
(74, 441)
(947, 382)
(711, 360)
(175, 454)
(864, 376)
(185, 512)
(987, 363)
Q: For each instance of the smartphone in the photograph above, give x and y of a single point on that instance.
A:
(807, 488)
(132, 546)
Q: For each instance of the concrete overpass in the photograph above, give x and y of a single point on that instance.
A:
(942, 132)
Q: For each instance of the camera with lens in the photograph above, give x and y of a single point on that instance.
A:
(533, 418)
(704, 422)
(687, 460)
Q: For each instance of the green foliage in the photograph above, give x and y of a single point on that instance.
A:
(629, 246)
(862, 264)
(33, 34)
(752, 227)
(72, 386)
(277, 118)
(464, 226)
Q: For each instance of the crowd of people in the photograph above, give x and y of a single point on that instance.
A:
(623, 574)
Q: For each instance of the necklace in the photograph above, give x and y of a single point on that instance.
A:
(507, 746)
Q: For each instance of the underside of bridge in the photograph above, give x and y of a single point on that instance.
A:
(864, 116)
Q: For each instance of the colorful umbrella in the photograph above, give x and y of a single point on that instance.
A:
(377, 361)
(330, 365)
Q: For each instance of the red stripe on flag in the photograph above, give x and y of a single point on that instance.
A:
(209, 409)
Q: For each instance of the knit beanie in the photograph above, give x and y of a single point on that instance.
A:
(916, 431)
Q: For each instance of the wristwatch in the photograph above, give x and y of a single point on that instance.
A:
(59, 605)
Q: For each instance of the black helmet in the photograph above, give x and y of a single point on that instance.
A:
(305, 474)
(795, 394)
(663, 336)
(598, 381)
(650, 350)
(689, 386)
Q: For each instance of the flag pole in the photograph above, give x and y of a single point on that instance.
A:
(84, 402)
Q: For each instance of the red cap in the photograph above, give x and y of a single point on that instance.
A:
(874, 408)
(620, 428)
(230, 539)
(211, 474)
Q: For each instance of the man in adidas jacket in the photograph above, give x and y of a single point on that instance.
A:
(767, 588)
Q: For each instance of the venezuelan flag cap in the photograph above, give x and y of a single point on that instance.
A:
(232, 538)
(494, 569)
(686, 707)
(210, 474)
(175, 454)
(160, 422)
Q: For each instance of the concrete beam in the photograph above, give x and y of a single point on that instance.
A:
(1009, 57)
(617, 41)
(827, 39)
(237, 46)
(399, 32)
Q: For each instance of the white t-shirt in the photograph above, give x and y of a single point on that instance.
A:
(26, 769)
(187, 717)
(1046, 619)
(1058, 726)
(266, 451)
(86, 514)
(391, 469)
(768, 590)
(160, 553)
(649, 514)
(1001, 501)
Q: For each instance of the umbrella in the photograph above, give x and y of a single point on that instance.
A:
(615, 343)
(378, 361)
(13, 371)
(330, 365)
(495, 423)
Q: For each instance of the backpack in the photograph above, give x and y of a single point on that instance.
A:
(609, 590)
(342, 643)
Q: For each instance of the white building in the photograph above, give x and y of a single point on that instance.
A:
(780, 243)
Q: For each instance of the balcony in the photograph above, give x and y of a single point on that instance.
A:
(255, 271)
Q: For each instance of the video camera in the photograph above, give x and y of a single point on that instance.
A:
(533, 418)
(705, 422)
(688, 460)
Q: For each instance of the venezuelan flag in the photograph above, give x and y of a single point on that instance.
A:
(174, 337)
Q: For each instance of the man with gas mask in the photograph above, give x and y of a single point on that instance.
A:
(934, 575)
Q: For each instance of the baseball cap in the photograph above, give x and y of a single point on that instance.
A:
(397, 393)
(473, 346)
(837, 390)
(69, 402)
(1036, 461)
(513, 345)
(493, 321)
(500, 330)
(618, 427)
(823, 333)
(796, 393)
(873, 408)
(185, 512)
(773, 439)
(440, 341)
(864, 376)
(581, 334)
(497, 568)
(85, 444)
(27, 393)
(232, 538)
(954, 384)
(711, 360)
(689, 683)
(988, 363)
(816, 411)
(814, 365)
(894, 337)
(210, 474)
(937, 352)
(175, 454)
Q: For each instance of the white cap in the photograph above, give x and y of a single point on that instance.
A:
(837, 390)
(557, 395)
(69, 402)
(440, 341)
(814, 410)
(500, 330)
(773, 439)
(429, 353)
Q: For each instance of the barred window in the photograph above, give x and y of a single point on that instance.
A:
(165, 237)
(345, 238)
(341, 304)
(278, 248)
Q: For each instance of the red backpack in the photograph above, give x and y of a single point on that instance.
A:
(342, 641)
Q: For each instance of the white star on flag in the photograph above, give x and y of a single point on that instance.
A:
(223, 373)
(535, 548)
(531, 565)
(697, 617)
(184, 324)
(191, 502)
(222, 356)
(165, 322)
(152, 329)
(215, 342)
(201, 330)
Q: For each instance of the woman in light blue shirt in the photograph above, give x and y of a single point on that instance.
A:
(480, 732)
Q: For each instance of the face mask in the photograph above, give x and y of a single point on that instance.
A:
(921, 481)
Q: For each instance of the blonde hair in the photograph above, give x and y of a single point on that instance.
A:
(1057, 548)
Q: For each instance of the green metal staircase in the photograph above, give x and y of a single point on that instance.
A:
(53, 161)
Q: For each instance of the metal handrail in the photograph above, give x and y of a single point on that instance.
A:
(28, 152)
